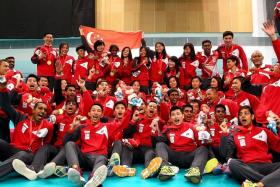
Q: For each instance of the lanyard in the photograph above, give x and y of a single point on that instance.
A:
(31, 140)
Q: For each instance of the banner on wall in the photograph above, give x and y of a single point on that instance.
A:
(121, 39)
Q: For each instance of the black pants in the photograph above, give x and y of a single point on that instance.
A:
(138, 155)
(46, 154)
(197, 158)
(74, 156)
(267, 173)
(117, 148)
(51, 82)
(8, 153)
(91, 85)
(145, 89)
(215, 152)
(5, 129)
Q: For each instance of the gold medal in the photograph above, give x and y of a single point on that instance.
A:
(49, 62)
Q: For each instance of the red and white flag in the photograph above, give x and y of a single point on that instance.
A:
(121, 39)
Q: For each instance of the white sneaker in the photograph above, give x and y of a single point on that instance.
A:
(20, 167)
(75, 177)
(98, 177)
(175, 169)
(48, 170)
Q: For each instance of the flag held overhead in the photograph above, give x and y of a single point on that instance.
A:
(122, 39)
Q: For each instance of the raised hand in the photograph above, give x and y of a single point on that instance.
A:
(269, 29)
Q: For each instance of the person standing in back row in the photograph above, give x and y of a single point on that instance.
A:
(45, 56)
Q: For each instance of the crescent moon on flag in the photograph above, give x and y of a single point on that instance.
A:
(89, 38)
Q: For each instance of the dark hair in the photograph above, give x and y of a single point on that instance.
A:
(37, 103)
(234, 58)
(187, 106)
(72, 101)
(172, 90)
(177, 64)
(192, 54)
(80, 47)
(163, 51)
(134, 82)
(220, 106)
(246, 107)
(69, 86)
(206, 41)
(220, 82)
(228, 33)
(9, 57)
(99, 81)
(63, 44)
(177, 80)
(97, 104)
(3, 60)
(113, 46)
(119, 103)
(196, 77)
(196, 101)
(32, 76)
(241, 79)
(147, 55)
(173, 108)
(39, 78)
(129, 53)
(98, 43)
(46, 33)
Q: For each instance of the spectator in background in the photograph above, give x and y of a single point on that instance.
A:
(230, 49)
(44, 56)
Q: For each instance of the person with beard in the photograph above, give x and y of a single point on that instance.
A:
(207, 62)
(174, 100)
(44, 56)
(30, 134)
(178, 144)
(253, 164)
(90, 154)
(188, 113)
(54, 152)
(12, 73)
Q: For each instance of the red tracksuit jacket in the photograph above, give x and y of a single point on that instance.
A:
(235, 50)
(207, 64)
(43, 68)
(243, 98)
(230, 75)
(81, 68)
(68, 69)
(253, 145)
(29, 136)
(189, 68)
(158, 67)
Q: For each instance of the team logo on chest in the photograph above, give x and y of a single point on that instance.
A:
(85, 65)
(242, 141)
(262, 136)
(104, 131)
(245, 102)
(41, 133)
(24, 127)
(188, 134)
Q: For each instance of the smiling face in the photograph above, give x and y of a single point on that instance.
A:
(196, 83)
(214, 83)
(32, 83)
(125, 52)
(95, 114)
(48, 39)
(231, 64)
(43, 82)
(64, 50)
(39, 112)
(228, 40)
(159, 47)
(119, 111)
(102, 89)
(136, 87)
(187, 51)
(151, 109)
(188, 114)
(71, 107)
(4, 67)
(236, 85)
(173, 82)
(176, 117)
(245, 117)
(220, 114)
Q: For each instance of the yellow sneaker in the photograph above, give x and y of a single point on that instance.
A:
(152, 168)
(124, 171)
(248, 183)
(210, 165)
